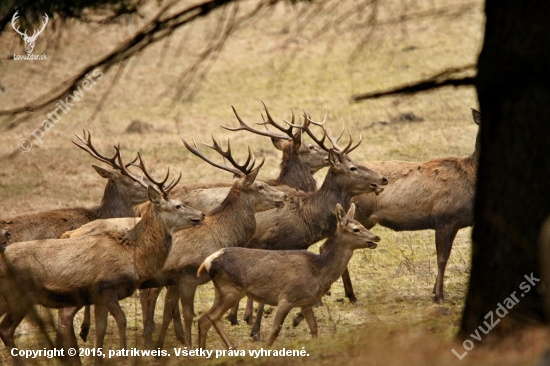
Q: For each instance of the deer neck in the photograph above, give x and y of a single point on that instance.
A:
(334, 259)
(319, 207)
(234, 218)
(151, 243)
(113, 204)
(297, 175)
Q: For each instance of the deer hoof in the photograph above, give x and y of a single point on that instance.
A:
(232, 319)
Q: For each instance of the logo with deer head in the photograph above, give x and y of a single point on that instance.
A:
(29, 40)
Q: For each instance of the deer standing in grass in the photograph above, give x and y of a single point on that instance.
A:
(286, 279)
(231, 224)
(99, 269)
(437, 194)
(309, 217)
(120, 196)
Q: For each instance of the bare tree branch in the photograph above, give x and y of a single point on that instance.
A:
(448, 77)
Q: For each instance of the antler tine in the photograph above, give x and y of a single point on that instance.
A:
(270, 121)
(132, 162)
(125, 171)
(172, 184)
(347, 151)
(160, 185)
(243, 168)
(89, 148)
(196, 151)
(305, 127)
(244, 127)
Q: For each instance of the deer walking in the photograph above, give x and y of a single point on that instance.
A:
(286, 279)
(99, 269)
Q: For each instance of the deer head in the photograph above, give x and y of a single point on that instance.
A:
(29, 41)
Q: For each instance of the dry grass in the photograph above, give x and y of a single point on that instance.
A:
(395, 320)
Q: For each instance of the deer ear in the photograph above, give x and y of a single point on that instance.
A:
(333, 159)
(106, 173)
(341, 215)
(278, 143)
(250, 178)
(154, 195)
(351, 212)
(477, 117)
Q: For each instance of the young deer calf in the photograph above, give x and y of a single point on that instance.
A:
(286, 278)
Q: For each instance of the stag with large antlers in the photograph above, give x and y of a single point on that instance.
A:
(232, 223)
(120, 195)
(309, 217)
(437, 194)
(99, 269)
(300, 161)
(29, 40)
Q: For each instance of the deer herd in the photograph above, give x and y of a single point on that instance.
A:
(250, 237)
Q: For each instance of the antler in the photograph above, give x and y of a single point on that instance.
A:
(165, 190)
(13, 19)
(287, 132)
(89, 148)
(333, 140)
(240, 170)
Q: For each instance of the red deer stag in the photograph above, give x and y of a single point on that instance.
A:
(230, 224)
(99, 269)
(300, 161)
(285, 278)
(120, 196)
(437, 194)
(309, 217)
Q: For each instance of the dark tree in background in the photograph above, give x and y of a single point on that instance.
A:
(513, 188)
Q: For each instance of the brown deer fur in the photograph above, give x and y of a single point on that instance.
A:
(231, 224)
(437, 194)
(286, 279)
(97, 269)
(5, 237)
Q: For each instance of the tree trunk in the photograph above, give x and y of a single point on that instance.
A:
(513, 187)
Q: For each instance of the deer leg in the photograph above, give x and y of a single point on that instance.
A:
(221, 304)
(298, 319)
(283, 308)
(311, 321)
(85, 326)
(148, 299)
(110, 299)
(444, 238)
(65, 328)
(176, 319)
(100, 315)
(255, 332)
(7, 331)
(187, 295)
(170, 307)
(233, 315)
(249, 311)
(348, 287)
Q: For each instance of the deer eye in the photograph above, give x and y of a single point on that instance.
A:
(261, 188)
(353, 168)
(356, 230)
(311, 147)
(178, 207)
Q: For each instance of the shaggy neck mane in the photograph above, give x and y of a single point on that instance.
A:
(151, 243)
(294, 173)
(234, 217)
(319, 206)
(113, 204)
